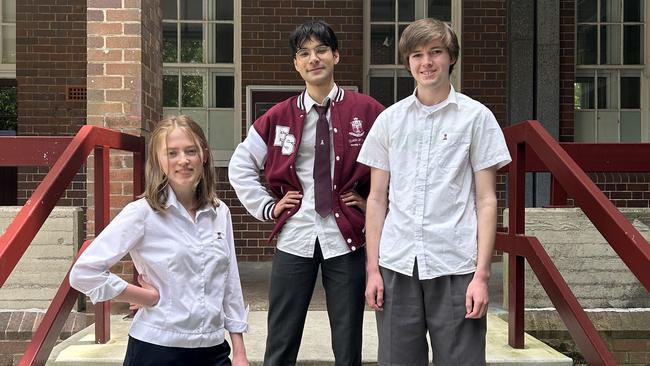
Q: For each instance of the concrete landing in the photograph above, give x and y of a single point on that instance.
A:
(315, 348)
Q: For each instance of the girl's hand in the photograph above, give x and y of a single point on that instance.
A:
(152, 295)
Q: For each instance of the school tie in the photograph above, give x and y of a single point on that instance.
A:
(322, 175)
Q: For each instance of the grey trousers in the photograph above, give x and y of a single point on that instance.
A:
(412, 307)
(292, 285)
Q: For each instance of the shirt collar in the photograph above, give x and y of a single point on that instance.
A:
(306, 102)
(452, 98)
(172, 200)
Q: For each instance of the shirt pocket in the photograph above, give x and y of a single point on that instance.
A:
(452, 149)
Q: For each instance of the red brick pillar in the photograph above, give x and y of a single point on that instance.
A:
(124, 84)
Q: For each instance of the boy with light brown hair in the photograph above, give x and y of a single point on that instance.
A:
(430, 242)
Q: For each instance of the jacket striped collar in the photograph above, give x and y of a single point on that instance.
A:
(338, 97)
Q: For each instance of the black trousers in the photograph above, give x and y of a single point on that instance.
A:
(292, 284)
(139, 353)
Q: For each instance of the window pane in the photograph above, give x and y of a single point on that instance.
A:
(610, 44)
(632, 44)
(633, 10)
(170, 45)
(586, 45)
(224, 87)
(399, 36)
(630, 126)
(607, 128)
(440, 9)
(381, 88)
(191, 42)
(405, 87)
(610, 10)
(585, 127)
(9, 44)
(224, 43)
(192, 91)
(607, 92)
(587, 11)
(170, 90)
(382, 10)
(584, 93)
(223, 9)
(221, 129)
(169, 10)
(406, 10)
(630, 92)
(382, 45)
(8, 113)
(9, 11)
(191, 10)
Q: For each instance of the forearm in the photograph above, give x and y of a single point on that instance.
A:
(137, 295)
(375, 215)
(238, 348)
(486, 211)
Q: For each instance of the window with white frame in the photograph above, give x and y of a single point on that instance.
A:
(200, 67)
(610, 101)
(8, 39)
(386, 79)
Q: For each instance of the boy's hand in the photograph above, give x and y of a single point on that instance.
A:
(375, 291)
(476, 300)
(352, 198)
(290, 200)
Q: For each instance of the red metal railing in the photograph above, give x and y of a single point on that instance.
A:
(533, 149)
(65, 155)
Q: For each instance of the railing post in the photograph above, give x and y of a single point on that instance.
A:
(102, 217)
(558, 194)
(517, 225)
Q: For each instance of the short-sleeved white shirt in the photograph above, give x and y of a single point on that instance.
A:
(432, 154)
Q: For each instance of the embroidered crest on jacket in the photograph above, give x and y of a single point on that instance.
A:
(357, 127)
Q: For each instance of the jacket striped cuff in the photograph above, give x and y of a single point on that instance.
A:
(267, 213)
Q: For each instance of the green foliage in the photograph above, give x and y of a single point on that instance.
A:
(8, 114)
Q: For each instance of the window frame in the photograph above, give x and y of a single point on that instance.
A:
(221, 157)
(7, 70)
(619, 70)
(397, 69)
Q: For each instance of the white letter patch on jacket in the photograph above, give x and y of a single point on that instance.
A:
(280, 133)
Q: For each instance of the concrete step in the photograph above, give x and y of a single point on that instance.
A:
(80, 349)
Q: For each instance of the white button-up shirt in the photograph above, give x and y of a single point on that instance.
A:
(299, 233)
(432, 154)
(192, 263)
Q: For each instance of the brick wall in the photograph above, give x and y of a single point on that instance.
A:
(50, 57)
(18, 327)
(624, 189)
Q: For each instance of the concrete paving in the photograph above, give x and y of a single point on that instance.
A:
(315, 349)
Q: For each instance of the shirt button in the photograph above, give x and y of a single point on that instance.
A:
(336, 214)
(335, 187)
(338, 158)
(353, 248)
(335, 130)
(349, 240)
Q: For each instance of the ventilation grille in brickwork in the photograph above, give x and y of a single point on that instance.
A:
(76, 93)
